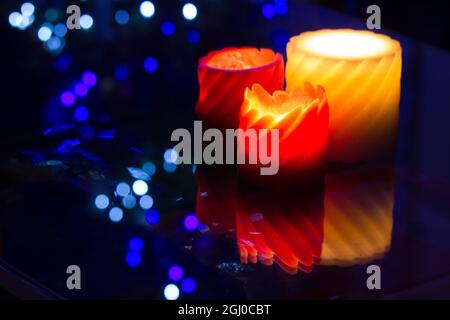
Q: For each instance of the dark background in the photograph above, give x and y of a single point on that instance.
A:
(145, 108)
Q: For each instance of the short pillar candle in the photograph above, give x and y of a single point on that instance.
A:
(223, 76)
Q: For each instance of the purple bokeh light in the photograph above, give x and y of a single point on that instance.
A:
(67, 98)
(190, 222)
(89, 78)
(81, 89)
(175, 273)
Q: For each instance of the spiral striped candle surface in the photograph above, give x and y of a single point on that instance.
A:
(361, 73)
(224, 75)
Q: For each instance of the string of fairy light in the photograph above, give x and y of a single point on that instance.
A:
(48, 25)
(53, 30)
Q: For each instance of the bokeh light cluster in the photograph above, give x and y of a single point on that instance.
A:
(175, 274)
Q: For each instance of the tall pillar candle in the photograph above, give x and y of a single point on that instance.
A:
(361, 73)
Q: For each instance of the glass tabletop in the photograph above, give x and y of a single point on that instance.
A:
(102, 196)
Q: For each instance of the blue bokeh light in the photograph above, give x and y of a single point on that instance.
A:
(115, 214)
(123, 189)
(136, 244)
(60, 29)
(150, 64)
(146, 202)
(122, 17)
(133, 258)
(281, 7)
(193, 36)
(167, 28)
(188, 285)
(81, 113)
(169, 167)
(268, 10)
(152, 217)
(149, 167)
(101, 201)
(54, 43)
(129, 201)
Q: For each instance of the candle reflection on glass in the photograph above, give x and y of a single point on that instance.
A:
(223, 76)
(348, 222)
(288, 231)
(358, 216)
(361, 72)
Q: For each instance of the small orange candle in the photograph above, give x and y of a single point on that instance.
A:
(301, 116)
(224, 75)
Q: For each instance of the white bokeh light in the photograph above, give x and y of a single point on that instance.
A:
(170, 156)
(86, 21)
(189, 11)
(27, 9)
(147, 9)
(15, 19)
(140, 187)
(171, 292)
(44, 33)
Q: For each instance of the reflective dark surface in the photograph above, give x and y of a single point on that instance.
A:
(312, 241)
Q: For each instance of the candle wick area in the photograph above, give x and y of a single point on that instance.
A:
(280, 103)
(240, 58)
(346, 44)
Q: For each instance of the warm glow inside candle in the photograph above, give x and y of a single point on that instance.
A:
(361, 72)
(224, 75)
(302, 119)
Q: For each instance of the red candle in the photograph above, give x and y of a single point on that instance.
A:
(224, 75)
(301, 116)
